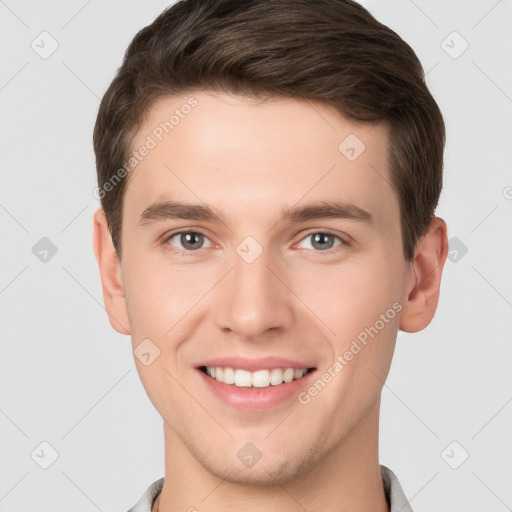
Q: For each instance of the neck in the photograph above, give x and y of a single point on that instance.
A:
(348, 478)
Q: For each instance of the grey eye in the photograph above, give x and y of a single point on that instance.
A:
(189, 240)
(322, 241)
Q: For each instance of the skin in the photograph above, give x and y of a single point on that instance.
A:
(250, 159)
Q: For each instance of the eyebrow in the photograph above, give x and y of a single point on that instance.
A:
(164, 210)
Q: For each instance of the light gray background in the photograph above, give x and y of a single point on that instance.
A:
(67, 378)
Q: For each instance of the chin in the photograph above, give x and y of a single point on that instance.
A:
(267, 471)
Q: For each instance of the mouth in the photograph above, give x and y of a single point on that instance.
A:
(258, 379)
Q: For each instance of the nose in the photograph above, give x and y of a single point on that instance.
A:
(253, 300)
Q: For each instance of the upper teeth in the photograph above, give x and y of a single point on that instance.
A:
(257, 379)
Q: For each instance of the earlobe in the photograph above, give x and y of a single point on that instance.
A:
(110, 272)
(422, 293)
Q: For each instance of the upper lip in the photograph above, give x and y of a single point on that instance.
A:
(252, 364)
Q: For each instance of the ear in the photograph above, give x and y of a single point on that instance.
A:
(424, 280)
(110, 271)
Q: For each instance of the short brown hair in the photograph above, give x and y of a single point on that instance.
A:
(330, 51)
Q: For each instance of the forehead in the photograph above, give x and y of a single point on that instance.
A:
(241, 154)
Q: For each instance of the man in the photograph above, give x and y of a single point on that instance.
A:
(268, 174)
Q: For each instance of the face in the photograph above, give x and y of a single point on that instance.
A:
(260, 238)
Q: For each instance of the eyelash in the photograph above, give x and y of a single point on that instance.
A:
(186, 253)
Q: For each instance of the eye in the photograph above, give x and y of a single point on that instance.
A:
(188, 241)
(321, 241)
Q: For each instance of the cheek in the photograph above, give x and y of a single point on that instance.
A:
(160, 296)
(349, 297)
(359, 304)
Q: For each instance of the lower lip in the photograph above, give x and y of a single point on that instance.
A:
(255, 399)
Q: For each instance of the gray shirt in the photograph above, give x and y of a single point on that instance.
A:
(397, 501)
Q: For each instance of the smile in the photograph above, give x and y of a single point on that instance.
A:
(257, 379)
